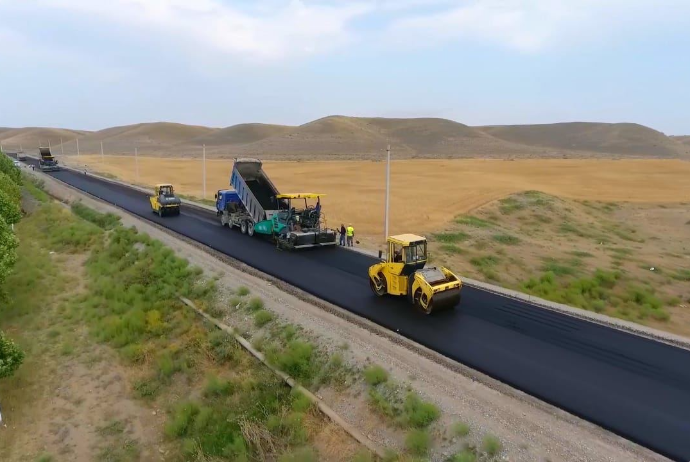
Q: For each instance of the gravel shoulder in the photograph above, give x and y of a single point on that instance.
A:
(529, 429)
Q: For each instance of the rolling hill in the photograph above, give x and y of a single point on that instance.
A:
(32, 137)
(342, 137)
(622, 138)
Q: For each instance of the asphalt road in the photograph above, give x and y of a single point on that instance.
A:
(635, 387)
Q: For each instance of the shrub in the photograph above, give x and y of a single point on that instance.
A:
(461, 429)
(262, 317)
(299, 455)
(418, 442)
(491, 445)
(475, 222)
(300, 402)
(255, 304)
(10, 188)
(506, 239)
(218, 387)
(451, 238)
(418, 413)
(465, 456)
(9, 208)
(11, 357)
(102, 220)
(242, 291)
(452, 249)
(295, 360)
(375, 375)
(363, 456)
(510, 205)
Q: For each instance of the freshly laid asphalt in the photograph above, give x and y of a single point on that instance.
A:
(632, 386)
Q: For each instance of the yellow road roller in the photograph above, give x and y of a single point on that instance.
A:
(164, 201)
(403, 273)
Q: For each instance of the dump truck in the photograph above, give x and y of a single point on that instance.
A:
(164, 201)
(255, 206)
(47, 163)
(21, 155)
(403, 273)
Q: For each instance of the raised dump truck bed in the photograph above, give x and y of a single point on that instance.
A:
(255, 206)
(47, 163)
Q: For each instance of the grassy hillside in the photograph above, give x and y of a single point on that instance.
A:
(31, 137)
(240, 134)
(624, 138)
(341, 137)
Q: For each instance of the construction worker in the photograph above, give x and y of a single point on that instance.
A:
(350, 235)
(342, 234)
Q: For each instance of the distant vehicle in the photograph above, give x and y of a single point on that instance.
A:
(47, 163)
(21, 155)
(17, 164)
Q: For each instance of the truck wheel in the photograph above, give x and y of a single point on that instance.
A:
(378, 285)
(160, 212)
(243, 227)
(250, 228)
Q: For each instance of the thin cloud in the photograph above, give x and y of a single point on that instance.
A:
(289, 29)
(535, 25)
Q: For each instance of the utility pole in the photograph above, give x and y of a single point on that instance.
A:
(77, 146)
(136, 162)
(204, 169)
(102, 158)
(62, 147)
(388, 182)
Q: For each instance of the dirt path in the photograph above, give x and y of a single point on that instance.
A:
(73, 395)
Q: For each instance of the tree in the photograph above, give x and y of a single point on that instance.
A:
(7, 167)
(11, 357)
(11, 188)
(9, 209)
(8, 250)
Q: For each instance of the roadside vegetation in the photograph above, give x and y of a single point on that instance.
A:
(11, 356)
(623, 260)
(219, 402)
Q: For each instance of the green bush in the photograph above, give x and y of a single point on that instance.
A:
(300, 402)
(299, 455)
(262, 317)
(510, 205)
(506, 239)
(7, 167)
(10, 210)
(102, 220)
(461, 429)
(363, 456)
(491, 445)
(465, 456)
(418, 413)
(452, 249)
(295, 360)
(475, 222)
(9, 187)
(218, 387)
(242, 291)
(418, 442)
(375, 375)
(11, 357)
(451, 238)
(255, 304)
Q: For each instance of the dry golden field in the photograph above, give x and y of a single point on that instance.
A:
(425, 194)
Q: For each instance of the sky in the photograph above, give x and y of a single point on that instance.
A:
(91, 64)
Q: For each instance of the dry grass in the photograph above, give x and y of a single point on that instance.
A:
(425, 194)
